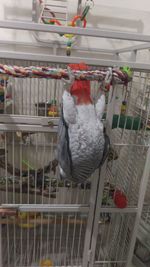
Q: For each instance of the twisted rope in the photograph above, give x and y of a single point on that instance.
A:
(118, 76)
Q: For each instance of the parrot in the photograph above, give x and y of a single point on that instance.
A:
(83, 145)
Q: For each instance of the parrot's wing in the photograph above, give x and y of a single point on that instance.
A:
(106, 148)
(63, 151)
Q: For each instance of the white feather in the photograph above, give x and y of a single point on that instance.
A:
(100, 106)
(69, 108)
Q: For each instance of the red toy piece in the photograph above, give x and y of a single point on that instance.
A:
(120, 199)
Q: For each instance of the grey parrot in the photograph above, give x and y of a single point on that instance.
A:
(82, 143)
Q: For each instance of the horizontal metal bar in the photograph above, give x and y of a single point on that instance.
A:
(64, 207)
(32, 120)
(27, 128)
(116, 210)
(46, 17)
(43, 44)
(133, 145)
(47, 207)
(66, 60)
(109, 262)
(65, 6)
(133, 48)
(92, 32)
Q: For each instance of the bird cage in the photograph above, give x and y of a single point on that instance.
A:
(61, 223)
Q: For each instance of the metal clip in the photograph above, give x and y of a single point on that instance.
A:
(89, 3)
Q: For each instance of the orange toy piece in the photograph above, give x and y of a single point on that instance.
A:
(46, 263)
(55, 21)
(78, 17)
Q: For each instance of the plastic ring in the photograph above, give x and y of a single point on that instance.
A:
(76, 18)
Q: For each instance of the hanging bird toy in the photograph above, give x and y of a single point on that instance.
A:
(77, 20)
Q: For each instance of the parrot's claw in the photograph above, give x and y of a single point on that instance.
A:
(68, 83)
(71, 75)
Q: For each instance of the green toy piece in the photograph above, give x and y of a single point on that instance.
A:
(126, 122)
(127, 70)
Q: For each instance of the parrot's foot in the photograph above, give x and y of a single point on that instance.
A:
(112, 155)
(68, 83)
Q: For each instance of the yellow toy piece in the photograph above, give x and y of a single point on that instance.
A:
(123, 107)
(69, 35)
(52, 113)
(25, 217)
(46, 263)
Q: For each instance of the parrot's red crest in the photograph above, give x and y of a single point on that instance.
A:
(81, 89)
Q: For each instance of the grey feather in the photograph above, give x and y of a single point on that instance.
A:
(106, 148)
(63, 154)
(82, 144)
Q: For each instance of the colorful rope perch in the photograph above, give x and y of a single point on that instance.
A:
(118, 76)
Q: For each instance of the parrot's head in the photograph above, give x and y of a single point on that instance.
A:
(81, 89)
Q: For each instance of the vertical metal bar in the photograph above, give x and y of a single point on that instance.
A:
(14, 245)
(28, 244)
(36, 159)
(15, 87)
(98, 203)
(79, 242)
(73, 240)
(6, 171)
(21, 245)
(43, 174)
(142, 191)
(30, 96)
(1, 242)
(48, 235)
(41, 236)
(67, 239)
(94, 184)
(5, 93)
(50, 181)
(20, 156)
(34, 239)
(79, 8)
(8, 244)
(54, 236)
(61, 232)
(13, 162)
